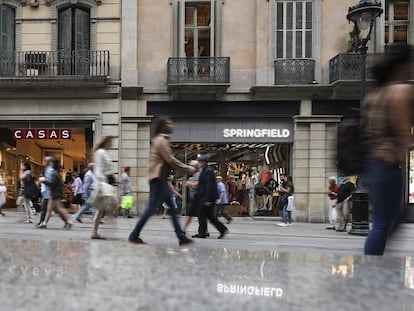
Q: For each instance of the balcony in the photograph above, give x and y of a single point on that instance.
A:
(202, 75)
(294, 71)
(41, 74)
(347, 67)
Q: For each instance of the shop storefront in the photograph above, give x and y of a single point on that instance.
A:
(69, 141)
(250, 154)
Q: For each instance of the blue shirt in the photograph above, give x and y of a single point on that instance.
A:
(48, 177)
(222, 191)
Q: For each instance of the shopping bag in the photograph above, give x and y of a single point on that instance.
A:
(127, 202)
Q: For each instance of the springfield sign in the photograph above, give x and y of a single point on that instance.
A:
(41, 133)
(256, 133)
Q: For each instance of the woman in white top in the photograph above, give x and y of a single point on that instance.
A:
(103, 173)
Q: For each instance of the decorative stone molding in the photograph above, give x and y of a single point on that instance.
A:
(50, 2)
(17, 5)
(56, 4)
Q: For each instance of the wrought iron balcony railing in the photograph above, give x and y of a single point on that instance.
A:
(54, 63)
(294, 71)
(189, 70)
(347, 66)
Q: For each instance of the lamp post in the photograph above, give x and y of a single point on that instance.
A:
(363, 15)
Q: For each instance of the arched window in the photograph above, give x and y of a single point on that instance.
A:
(7, 42)
(74, 39)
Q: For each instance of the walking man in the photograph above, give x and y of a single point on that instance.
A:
(88, 180)
(207, 195)
(161, 161)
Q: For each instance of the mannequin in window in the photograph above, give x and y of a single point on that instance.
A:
(270, 187)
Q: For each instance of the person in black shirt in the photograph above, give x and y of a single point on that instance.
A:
(342, 204)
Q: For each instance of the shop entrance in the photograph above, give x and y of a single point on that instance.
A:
(251, 173)
(70, 142)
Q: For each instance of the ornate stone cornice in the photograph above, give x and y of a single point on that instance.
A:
(50, 2)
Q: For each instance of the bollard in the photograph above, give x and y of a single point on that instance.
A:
(360, 213)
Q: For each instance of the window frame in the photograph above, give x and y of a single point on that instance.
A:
(286, 54)
(391, 23)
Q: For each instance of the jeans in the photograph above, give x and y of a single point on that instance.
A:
(385, 186)
(86, 206)
(160, 192)
(287, 215)
(43, 210)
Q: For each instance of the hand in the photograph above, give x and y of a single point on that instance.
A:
(191, 170)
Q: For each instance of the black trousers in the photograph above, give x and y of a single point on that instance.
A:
(208, 212)
(43, 210)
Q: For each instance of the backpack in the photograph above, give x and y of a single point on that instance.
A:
(30, 189)
(350, 148)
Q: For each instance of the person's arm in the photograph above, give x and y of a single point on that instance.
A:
(165, 151)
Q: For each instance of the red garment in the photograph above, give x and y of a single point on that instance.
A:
(333, 188)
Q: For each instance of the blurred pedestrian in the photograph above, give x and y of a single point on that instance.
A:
(3, 191)
(56, 195)
(77, 191)
(127, 200)
(44, 187)
(27, 189)
(105, 179)
(88, 181)
(333, 188)
(342, 205)
(175, 193)
(207, 195)
(161, 161)
(192, 205)
(223, 200)
(388, 121)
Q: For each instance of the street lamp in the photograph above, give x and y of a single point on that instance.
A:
(363, 15)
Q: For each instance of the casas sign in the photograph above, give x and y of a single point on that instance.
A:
(41, 134)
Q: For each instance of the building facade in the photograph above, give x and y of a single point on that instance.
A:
(59, 83)
(256, 83)
(259, 84)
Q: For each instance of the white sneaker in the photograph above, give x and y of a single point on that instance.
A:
(29, 221)
(282, 224)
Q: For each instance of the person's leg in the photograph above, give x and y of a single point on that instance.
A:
(340, 217)
(285, 214)
(224, 213)
(156, 197)
(289, 217)
(96, 221)
(386, 186)
(187, 223)
(170, 201)
(86, 206)
(28, 208)
(213, 219)
(63, 212)
(43, 210)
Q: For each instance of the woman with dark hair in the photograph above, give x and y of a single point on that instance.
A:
(161, 160)
(56, 195)
(26, 189)
(387, 119)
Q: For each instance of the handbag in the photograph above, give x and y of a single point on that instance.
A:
(102, 195)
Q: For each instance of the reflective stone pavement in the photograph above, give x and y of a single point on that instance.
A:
(49, 272)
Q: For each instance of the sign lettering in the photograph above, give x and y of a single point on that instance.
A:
(19, 134)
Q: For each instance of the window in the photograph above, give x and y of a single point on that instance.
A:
(74, 40)
(397, 21)
(196, 31)
(7, 42)
(294, 29)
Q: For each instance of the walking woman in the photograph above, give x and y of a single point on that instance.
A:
(56, 195)
(103, 173)
(161, 161)
(26, 189)
(388, 121)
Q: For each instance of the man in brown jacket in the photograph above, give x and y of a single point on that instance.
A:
(161, 160)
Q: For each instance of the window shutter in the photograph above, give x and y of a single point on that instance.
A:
(82, 30)
(7, 27)
(65, 30)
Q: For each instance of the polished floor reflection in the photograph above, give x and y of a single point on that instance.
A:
(115, 275)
